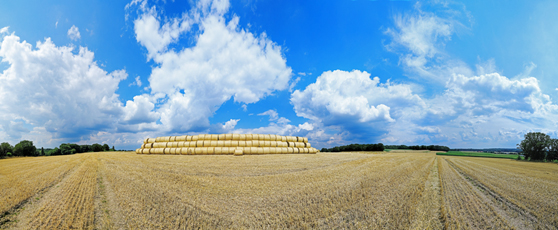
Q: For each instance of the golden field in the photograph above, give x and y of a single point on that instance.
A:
(378, 190)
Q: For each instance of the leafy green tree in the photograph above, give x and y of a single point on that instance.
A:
(25, 148)
(97, 147)
(5, 148)
(54, 152)
(85, 148)
(534, 145)
(106, 147)
(65, 149)
(553, 150)
(42, 151)
(113, 148)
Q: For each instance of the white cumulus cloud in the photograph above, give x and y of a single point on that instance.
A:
(73, 33)
(51, 87)
(225, 62)
(352, 101)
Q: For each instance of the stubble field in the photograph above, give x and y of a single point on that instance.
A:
(326, 190)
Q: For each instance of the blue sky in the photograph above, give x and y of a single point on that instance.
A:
(461, 74)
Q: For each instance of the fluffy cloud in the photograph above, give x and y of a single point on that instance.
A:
(353, 102)
(51, 87)
(419, 38)
(225, 62)
(73, 33)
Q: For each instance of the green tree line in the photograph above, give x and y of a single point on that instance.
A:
(355, 147)
(420, 147)
(539, 146)
(26, 148)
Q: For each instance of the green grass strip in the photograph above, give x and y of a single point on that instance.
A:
(477, 154)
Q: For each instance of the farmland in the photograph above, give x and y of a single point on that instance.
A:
(399, 190)
(477, 154)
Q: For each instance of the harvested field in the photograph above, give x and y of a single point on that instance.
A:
(326, 190)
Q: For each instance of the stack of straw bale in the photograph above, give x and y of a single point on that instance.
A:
(223, 144)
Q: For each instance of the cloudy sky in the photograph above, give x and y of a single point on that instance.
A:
(477, 74)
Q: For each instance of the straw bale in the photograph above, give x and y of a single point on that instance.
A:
(305, 150)
(220, 143)
(235, 137)
(158, 139)
(301, 144)
(206, 143)
(195, 138)
(203, 150)
(305, 140)
(214, 137)
(188, 138)
(248, 143)
(214, 143)
(202, 136)
(228, 136)
(221, 137)
(184, 151)
(180, 144)
(242, 137)
(225, 150)
(295, 150)
(166, 151)
(238, 152)
(159, 144)
(254, 143)
(254, 150)
(247, 150)
(261, 137)
(234, 143)
(228, 143)
(218, 150)
(260, 150)
(150, 140)
(199, 143)
(173, 144)
(241, 143)
(137, 151)
(173, 151)
(290, 150)
(307, 145)
(272, 137)
(266, 150)
(210, 150)
(290, 144)
(181, 138)
(284, 150)
(144, 151)
(172, 139)
(248, 137)
(166, 139)
(283, 138)
(273, 144)
(272, 150)
(197, 151)
(267, 144)
(191, 151)
(266, 137)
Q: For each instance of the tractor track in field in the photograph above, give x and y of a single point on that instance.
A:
(516, 216)
(9, 219)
